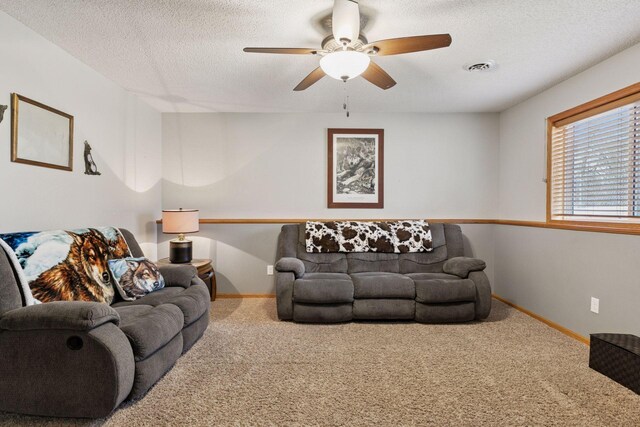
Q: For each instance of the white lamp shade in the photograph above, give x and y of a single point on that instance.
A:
(344, 64)
(345, 20)
(176, 221)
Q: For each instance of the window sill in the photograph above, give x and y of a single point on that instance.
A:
(619, 227)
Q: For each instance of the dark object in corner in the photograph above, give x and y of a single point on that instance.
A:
(3, 108)
(90, 167)
(618, 357)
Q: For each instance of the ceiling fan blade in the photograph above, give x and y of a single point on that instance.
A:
(285, 50)
(379, 77)
(313, 77)
(410, 44)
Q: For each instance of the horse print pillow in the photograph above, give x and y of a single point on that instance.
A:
(135, 277)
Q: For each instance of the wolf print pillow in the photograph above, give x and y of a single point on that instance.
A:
(135, 277)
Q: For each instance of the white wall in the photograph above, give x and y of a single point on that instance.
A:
(125, 135)
(236, 165)
(523, 128)
(555, 272)
(275, 165)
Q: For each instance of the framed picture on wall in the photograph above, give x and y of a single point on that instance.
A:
(356, 168)
(40, 135)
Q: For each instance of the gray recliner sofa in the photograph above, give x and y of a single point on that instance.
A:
(82, 359)
(431, 287)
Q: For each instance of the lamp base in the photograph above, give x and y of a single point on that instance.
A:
(180, 251)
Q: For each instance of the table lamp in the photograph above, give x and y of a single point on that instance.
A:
(180, 221)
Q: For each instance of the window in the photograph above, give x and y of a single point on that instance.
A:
(593, 163)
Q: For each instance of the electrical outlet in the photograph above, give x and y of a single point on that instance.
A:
(595, 305)
(269, 270)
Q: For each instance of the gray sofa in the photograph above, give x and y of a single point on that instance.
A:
(431, 287)
(82, 359)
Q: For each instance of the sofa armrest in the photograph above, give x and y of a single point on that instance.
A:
(178, 274)
(483, 294)
(290, 264)
(462, 266)
(86, 378)
(73, 315)
(284, 294)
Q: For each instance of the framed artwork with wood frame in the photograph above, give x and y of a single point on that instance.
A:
(355, 176)
(40, 135)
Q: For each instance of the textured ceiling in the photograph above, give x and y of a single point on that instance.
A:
(186, 55)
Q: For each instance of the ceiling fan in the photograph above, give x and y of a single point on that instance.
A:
(347, 54)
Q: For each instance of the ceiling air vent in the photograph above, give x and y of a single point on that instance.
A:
(480, 66)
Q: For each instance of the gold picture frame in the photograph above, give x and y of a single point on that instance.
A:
(40, 135)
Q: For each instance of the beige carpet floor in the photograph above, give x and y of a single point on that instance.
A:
(250, 369)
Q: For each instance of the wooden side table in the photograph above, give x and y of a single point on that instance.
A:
(205, 272)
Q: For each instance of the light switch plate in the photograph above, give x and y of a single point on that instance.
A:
(269, 270)
(595, 305)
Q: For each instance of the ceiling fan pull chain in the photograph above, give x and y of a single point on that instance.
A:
(345, 104)
(344, 90)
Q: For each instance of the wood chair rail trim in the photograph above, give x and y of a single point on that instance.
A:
(594, 227)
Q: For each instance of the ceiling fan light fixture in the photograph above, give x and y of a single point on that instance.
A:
(344, 64)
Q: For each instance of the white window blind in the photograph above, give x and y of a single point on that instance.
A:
(595, 165)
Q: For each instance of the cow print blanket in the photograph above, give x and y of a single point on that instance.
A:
(355, 236)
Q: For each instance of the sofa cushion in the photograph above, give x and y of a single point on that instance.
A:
(429, 276)
(151, 369)
(382, 285)
(437, 291)
(423, 262)
(372, 261)
(323, 288)
(445, 313)
(327, 263)
(318, 313)
(193, 301)
(426, 261)
(328, 276)
(178, 274)
(149, 328)
(384, 309)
